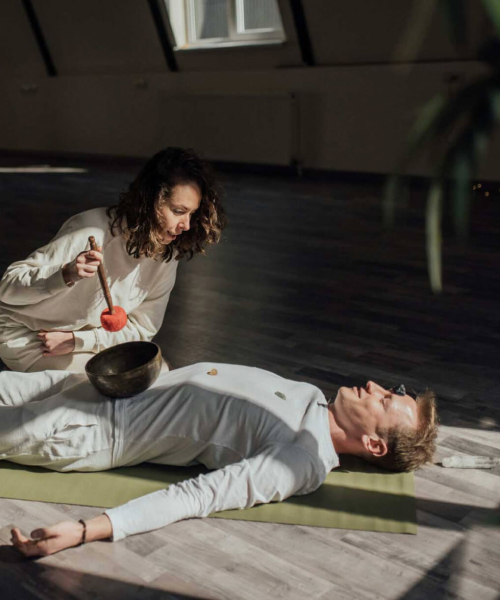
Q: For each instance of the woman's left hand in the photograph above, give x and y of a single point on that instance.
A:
(56, 343)
(48, 540)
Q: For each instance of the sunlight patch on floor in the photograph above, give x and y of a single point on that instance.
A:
(42, 169)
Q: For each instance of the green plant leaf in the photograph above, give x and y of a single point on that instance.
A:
(481, 127)
(433, 234)
(465, 101)
(389, 199)
(489, 53)
(438, 118)
(396, 189)
(462, 173)
(458, 130)
(413, 36)
(495, 102)
(425, 123)
(455, 12)
(463, 157)
(492, 7)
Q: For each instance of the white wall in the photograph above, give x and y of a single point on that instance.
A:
(114, 94)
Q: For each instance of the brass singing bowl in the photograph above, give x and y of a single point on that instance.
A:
(126, 369)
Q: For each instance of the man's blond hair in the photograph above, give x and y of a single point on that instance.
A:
(408, 448)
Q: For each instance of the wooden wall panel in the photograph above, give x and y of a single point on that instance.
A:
(352, 118)
(111, 92)
(259, 126)
(363, 32)
(19, 55)
(92, 36)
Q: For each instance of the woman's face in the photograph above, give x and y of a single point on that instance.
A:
(177, 212)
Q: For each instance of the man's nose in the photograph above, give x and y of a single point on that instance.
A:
(371, 387)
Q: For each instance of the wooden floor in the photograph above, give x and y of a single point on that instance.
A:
(307, 284)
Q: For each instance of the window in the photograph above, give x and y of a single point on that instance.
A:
(216, 23)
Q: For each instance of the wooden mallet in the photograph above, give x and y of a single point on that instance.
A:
(113, 318)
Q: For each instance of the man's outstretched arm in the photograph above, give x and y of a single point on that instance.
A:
(273, 475)
(49, 540)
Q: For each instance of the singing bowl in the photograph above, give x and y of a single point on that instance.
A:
(126, 369)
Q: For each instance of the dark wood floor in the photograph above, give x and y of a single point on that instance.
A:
(306, 283)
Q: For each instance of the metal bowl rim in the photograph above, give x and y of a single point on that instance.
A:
(131, 371)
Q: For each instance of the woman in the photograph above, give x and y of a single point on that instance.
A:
(51, 303)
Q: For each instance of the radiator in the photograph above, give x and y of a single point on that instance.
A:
(249, 128)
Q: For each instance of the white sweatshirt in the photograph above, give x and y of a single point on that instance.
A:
(266, 438)
(33, 292)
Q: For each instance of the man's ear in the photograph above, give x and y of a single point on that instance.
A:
(376, 446)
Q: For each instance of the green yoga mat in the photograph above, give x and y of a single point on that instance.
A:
(355, 496)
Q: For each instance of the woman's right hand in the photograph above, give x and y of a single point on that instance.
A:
(83, 266)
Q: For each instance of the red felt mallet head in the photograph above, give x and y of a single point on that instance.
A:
(114, 322)
(113, 318)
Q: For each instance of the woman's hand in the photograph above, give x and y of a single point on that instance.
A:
(83, 266)
(48, 540)
(56, 343)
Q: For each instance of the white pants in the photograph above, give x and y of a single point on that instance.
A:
(57, 420)
(20, 350)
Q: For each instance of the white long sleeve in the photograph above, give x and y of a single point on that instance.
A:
(279, 471)
(40, 276)
(143, 323)
(33, 292)
(17, 389)
(262, 437)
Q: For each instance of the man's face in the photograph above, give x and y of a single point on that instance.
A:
(365, 410)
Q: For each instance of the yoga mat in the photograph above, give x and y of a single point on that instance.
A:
(355, 496)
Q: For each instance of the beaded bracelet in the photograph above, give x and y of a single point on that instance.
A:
(84, 532)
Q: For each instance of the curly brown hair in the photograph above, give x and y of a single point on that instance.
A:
(408, 448)
(138, 214)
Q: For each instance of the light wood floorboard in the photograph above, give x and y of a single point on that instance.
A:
(305, 283)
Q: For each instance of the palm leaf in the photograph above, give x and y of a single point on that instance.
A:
(391, 193)
(433, 234)
(440, 115)
(462, 161)
(462, 174)
(457, 21)
(492, 7)
(494, 99)
(460, 129)
(428, 120)
(435, 119)
(464, 156)
(464, 102)
(419, 132)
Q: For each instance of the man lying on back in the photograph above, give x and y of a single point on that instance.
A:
(264, 438)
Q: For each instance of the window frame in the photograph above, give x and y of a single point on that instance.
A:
(236, 37)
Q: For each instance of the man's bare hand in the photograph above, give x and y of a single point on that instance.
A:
(83, 266)
(66, 534)
(48, 540)
(56, 343)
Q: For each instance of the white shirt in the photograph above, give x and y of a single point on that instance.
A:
(33, 291)
(266, 438)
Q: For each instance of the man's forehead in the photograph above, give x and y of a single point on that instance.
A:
(406, 409)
